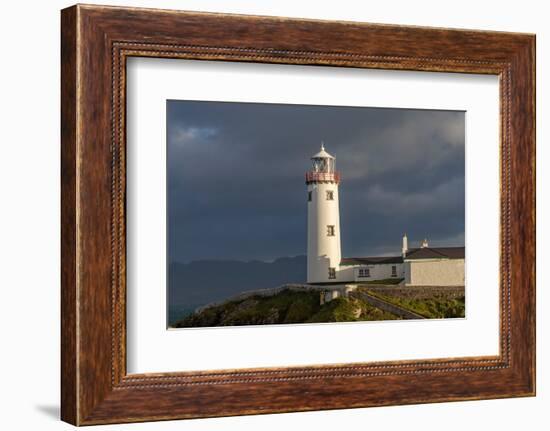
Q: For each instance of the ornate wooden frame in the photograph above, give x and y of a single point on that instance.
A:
(95, 42)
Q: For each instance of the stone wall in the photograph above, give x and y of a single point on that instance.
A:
(440, 272)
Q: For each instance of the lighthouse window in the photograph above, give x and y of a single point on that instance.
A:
(394, 271)
(309, 196)
(332, 273)
(330, 230)
(330, 195)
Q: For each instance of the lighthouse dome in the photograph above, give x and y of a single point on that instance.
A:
(322, 154)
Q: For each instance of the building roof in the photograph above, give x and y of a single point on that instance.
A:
(435, 253)
(323, 154)
(370, 260)
(412, 254)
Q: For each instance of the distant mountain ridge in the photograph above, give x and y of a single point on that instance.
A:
(200, 282)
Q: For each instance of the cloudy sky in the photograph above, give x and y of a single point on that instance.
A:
(236, 178)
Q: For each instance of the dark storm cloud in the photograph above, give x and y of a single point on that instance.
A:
(236, 177)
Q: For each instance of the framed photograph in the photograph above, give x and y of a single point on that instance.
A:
(267, 247)
(265, 214)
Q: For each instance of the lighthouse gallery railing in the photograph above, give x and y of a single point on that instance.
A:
(322, 177)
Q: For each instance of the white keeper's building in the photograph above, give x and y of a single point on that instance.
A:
(422, 266)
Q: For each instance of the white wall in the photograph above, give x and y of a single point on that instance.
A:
(323, 251)
(29, 222)
(435, 272)
(379, 271)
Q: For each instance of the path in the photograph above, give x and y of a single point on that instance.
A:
(387, 306)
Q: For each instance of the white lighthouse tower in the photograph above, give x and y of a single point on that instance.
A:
(323, 219)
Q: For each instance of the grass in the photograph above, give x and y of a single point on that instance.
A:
(285, 307)
(383, 281)
(349, 310)
(432, 308)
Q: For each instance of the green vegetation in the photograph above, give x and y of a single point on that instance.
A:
(285, 307)
(291, 306)
(383, 281)
(432, 308)
(350, 310)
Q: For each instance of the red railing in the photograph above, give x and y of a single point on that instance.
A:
(322, 177)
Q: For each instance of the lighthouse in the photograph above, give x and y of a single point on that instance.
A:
(323, 219)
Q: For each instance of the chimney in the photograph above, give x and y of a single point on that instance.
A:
(424, 243)
(405, 247)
